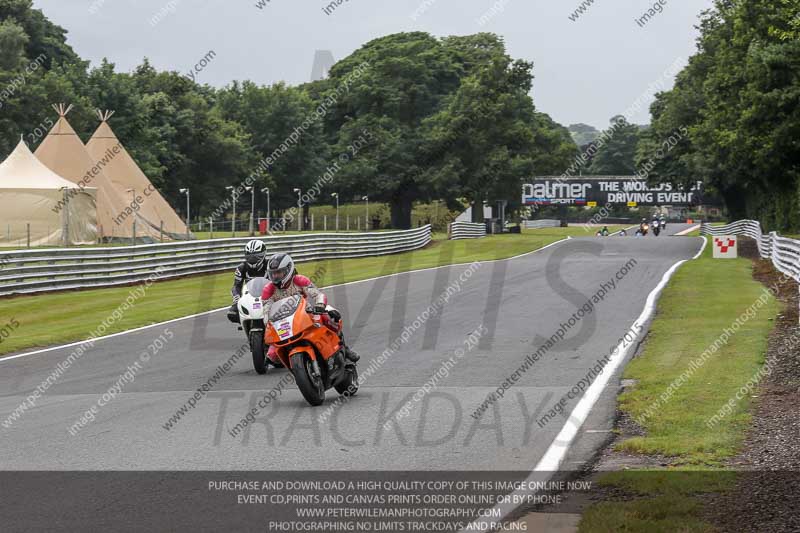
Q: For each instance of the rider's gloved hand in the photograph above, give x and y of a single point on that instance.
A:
(335, 315)
(319, 309)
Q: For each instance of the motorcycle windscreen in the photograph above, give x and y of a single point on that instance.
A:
(281, 313)
(284, 308)
(256, 286)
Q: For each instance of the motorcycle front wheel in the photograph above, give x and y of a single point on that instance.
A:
(259, 351)
(312, 388)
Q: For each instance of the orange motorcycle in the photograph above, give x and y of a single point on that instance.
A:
(311, 349)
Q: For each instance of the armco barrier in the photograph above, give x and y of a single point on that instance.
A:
(466, 230)
(784, 253)
(539, 224)
(55, 269)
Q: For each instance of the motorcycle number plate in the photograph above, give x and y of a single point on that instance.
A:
(284, 330)
(256, 305)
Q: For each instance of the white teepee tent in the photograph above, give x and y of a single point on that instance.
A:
(64, 153)
(106, 149)
(39, 206)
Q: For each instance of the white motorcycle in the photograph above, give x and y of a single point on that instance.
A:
(251, 318)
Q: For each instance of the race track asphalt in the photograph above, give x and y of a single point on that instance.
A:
(514, 305)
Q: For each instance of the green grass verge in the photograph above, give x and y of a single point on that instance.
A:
(703, 298)
(45, 320)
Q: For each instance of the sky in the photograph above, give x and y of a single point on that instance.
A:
(586, 70)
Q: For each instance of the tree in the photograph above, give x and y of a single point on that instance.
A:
(739, 101)
(490, 137)
(617, 157)
(271, 116)
(45, 38)
(583, 134)
(403, 80)
(198, 147)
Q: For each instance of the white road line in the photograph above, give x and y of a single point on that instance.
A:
(143, 328)
(702, 249)
(557, 451)
(687, 231)
(96, 339)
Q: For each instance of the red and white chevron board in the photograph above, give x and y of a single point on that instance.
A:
(725, 247)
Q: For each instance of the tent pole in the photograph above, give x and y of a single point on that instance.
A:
(161, 232)
(29, 234)
(65, 239)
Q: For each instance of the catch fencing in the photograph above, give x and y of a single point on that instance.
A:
(467, 230)
(56, 269)
(541, 224)
(784, 253)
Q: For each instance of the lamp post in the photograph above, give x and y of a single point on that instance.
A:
(252, 191)
(366, 222)
(64, 217)
(336, 195)
(263, 191)
(299, 209)
(187, 192)
(233, 221)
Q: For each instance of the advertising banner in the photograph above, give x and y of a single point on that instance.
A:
(607, 190)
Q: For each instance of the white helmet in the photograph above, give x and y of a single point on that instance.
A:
(280, 270)
(255, 253)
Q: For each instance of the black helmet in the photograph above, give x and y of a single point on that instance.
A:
(280, 270)
(255, 253)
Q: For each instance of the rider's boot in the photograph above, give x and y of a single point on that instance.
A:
(349, 353)
(233, 313)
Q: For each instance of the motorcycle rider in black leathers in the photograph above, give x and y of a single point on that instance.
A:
(254, 266)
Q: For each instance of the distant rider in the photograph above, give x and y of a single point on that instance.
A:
(286, 282)
(254, 266)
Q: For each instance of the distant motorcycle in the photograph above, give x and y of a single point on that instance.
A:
(643, 229)
(656, 228)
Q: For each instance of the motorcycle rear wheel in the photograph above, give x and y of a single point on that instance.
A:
(259, 351)
(312, 389)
